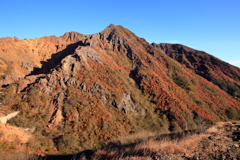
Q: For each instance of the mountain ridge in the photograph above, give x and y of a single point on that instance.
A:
(81, 90)
(207, 66)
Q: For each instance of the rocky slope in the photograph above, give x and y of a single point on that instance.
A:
(18, 58)
(209, 67)
(79, 91)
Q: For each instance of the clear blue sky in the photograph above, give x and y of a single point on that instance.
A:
(208, 25)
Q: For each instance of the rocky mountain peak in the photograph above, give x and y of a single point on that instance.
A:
(110, 28)
(72, 36)
(117, 34)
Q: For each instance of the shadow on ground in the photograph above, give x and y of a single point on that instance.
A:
(55, 59)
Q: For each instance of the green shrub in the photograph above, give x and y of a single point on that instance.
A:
(181, 81)
(233, 114)
(68, 143)
(229, 87)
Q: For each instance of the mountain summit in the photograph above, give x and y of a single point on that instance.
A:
(79, 91)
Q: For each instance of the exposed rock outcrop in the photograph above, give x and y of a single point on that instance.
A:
(126, 104)
(20, 57)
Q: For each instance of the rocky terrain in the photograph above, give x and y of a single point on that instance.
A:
(80, 91)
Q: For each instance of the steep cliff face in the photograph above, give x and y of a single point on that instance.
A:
(92, 88)
(222, 74)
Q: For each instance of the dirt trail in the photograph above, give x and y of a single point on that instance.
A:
(8, 117)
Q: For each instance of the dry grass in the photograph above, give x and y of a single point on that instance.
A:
(185, 145)
(135, 138)
(191, 141)
(136, 158)
(218, 128)
(15, 155)
(159, 146)
(143, 144)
